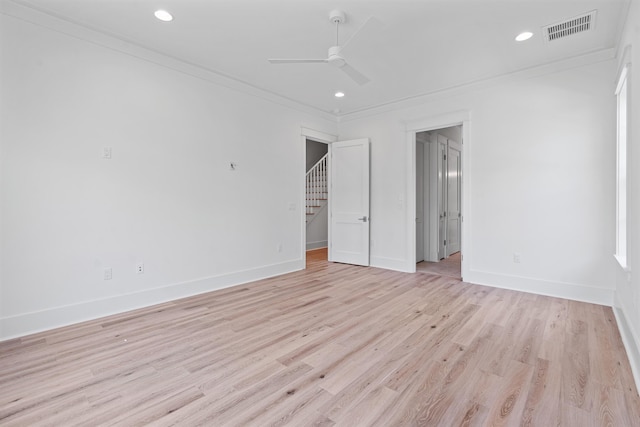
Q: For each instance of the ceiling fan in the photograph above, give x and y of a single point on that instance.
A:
(334, 57)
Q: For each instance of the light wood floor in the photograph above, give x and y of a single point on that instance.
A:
(332, 345)
(446, 267)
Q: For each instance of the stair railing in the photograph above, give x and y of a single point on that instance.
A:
(316, 184)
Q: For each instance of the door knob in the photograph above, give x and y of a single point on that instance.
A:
(363, 219)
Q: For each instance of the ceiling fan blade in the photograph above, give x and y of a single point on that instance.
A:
(356, 75)
(370, 27)
(297, 61)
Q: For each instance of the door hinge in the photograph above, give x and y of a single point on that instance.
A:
(445, 157)
(445, 242)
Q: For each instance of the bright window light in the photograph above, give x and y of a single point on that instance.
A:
(163, 15)
(622, 96)
(524, 36)
(339, 94)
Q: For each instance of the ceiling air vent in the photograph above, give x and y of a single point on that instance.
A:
(578, 24)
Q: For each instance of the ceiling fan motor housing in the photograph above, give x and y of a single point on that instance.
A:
(334, 57)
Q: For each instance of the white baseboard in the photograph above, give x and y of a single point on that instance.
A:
(28, 323)
(389, 263)
(317, 245)
(570, 291)
(631, 345)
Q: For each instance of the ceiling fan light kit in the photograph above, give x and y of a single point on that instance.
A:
(334, 58)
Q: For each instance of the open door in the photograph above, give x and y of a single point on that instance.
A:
(454, 201)
(349, 202)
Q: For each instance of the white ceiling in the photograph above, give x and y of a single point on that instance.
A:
(423, 46)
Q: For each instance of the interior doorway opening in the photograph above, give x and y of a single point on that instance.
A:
(316, 200)
(439, 201)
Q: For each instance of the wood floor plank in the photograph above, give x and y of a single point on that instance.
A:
(542, 407)
(552, 346)
(609, 407)
(575, 366)
(331, 345)
(508, 406)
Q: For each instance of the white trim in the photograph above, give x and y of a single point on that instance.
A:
(623, 263)
(412, 127)
(438, 121)
(629, 341)
(316, 135)
(483, 83)
(624, 59)
(46, 19)
(571, 291)
(38, 321)
(622, 77)
(410, 197)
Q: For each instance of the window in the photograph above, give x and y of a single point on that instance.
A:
(622, 95)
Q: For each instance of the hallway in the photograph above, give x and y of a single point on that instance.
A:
(449, 267)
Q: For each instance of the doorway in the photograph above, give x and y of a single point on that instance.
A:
(316, 199)
(438, 212)
(345, 174)
(317, 137)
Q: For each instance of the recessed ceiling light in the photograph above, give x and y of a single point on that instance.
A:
(163, 15)
(339, 94)
(524, 36)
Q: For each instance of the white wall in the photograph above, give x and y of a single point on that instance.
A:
(166, 198)
(627, 299)
(539, 180)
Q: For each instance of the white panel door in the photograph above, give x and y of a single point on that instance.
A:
(454, 200)
(349, 202)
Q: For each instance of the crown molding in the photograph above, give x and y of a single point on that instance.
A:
(29, 13)
(527, 73)
(46, 19)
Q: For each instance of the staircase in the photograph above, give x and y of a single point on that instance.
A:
(316, 187)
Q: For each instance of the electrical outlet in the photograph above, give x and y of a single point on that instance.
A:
(139, 268)
(106, 152)
(279, 247)
(108, 273)
(516, 257)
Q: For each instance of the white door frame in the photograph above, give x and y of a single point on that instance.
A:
(325, 138)
(427, 124)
